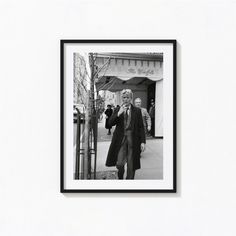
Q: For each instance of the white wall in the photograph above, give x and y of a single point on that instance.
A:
(159, 109)
(30, 202)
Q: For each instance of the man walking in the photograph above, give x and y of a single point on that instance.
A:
(145, 115)
(128, 138)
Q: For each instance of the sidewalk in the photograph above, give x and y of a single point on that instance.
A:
(151, 160)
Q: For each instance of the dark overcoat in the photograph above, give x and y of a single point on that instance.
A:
(138, 136)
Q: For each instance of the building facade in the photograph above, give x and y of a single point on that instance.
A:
(140, 72)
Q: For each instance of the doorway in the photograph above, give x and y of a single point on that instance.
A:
(151, 93)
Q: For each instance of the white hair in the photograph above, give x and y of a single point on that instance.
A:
(127, 91)
(138, 99)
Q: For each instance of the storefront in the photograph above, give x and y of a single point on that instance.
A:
(140, 72)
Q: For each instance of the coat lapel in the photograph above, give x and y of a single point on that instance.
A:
(132, 116)
(132, 110)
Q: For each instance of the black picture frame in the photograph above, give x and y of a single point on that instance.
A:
(63, 43)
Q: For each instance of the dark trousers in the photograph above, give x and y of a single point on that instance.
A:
(125, 155)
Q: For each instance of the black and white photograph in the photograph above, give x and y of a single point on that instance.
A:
(118, 115)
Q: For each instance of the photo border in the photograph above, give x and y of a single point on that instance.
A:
(62, 69)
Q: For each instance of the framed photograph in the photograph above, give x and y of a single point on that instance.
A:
(118, 116)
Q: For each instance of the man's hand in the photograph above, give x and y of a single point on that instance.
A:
(149, 128)
(122, 109)
(142, 147)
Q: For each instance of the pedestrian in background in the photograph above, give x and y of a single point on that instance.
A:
(145, 115)
(152, 115)
(108, 114)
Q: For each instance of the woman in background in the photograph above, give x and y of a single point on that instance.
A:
(108, 113)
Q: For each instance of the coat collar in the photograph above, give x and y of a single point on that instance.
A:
(132, 109)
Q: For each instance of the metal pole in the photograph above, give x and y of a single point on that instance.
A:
(95, 143)
(77, 160)
(86, 139)
(91, 109)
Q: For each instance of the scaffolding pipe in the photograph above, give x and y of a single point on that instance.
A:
(86, 139)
